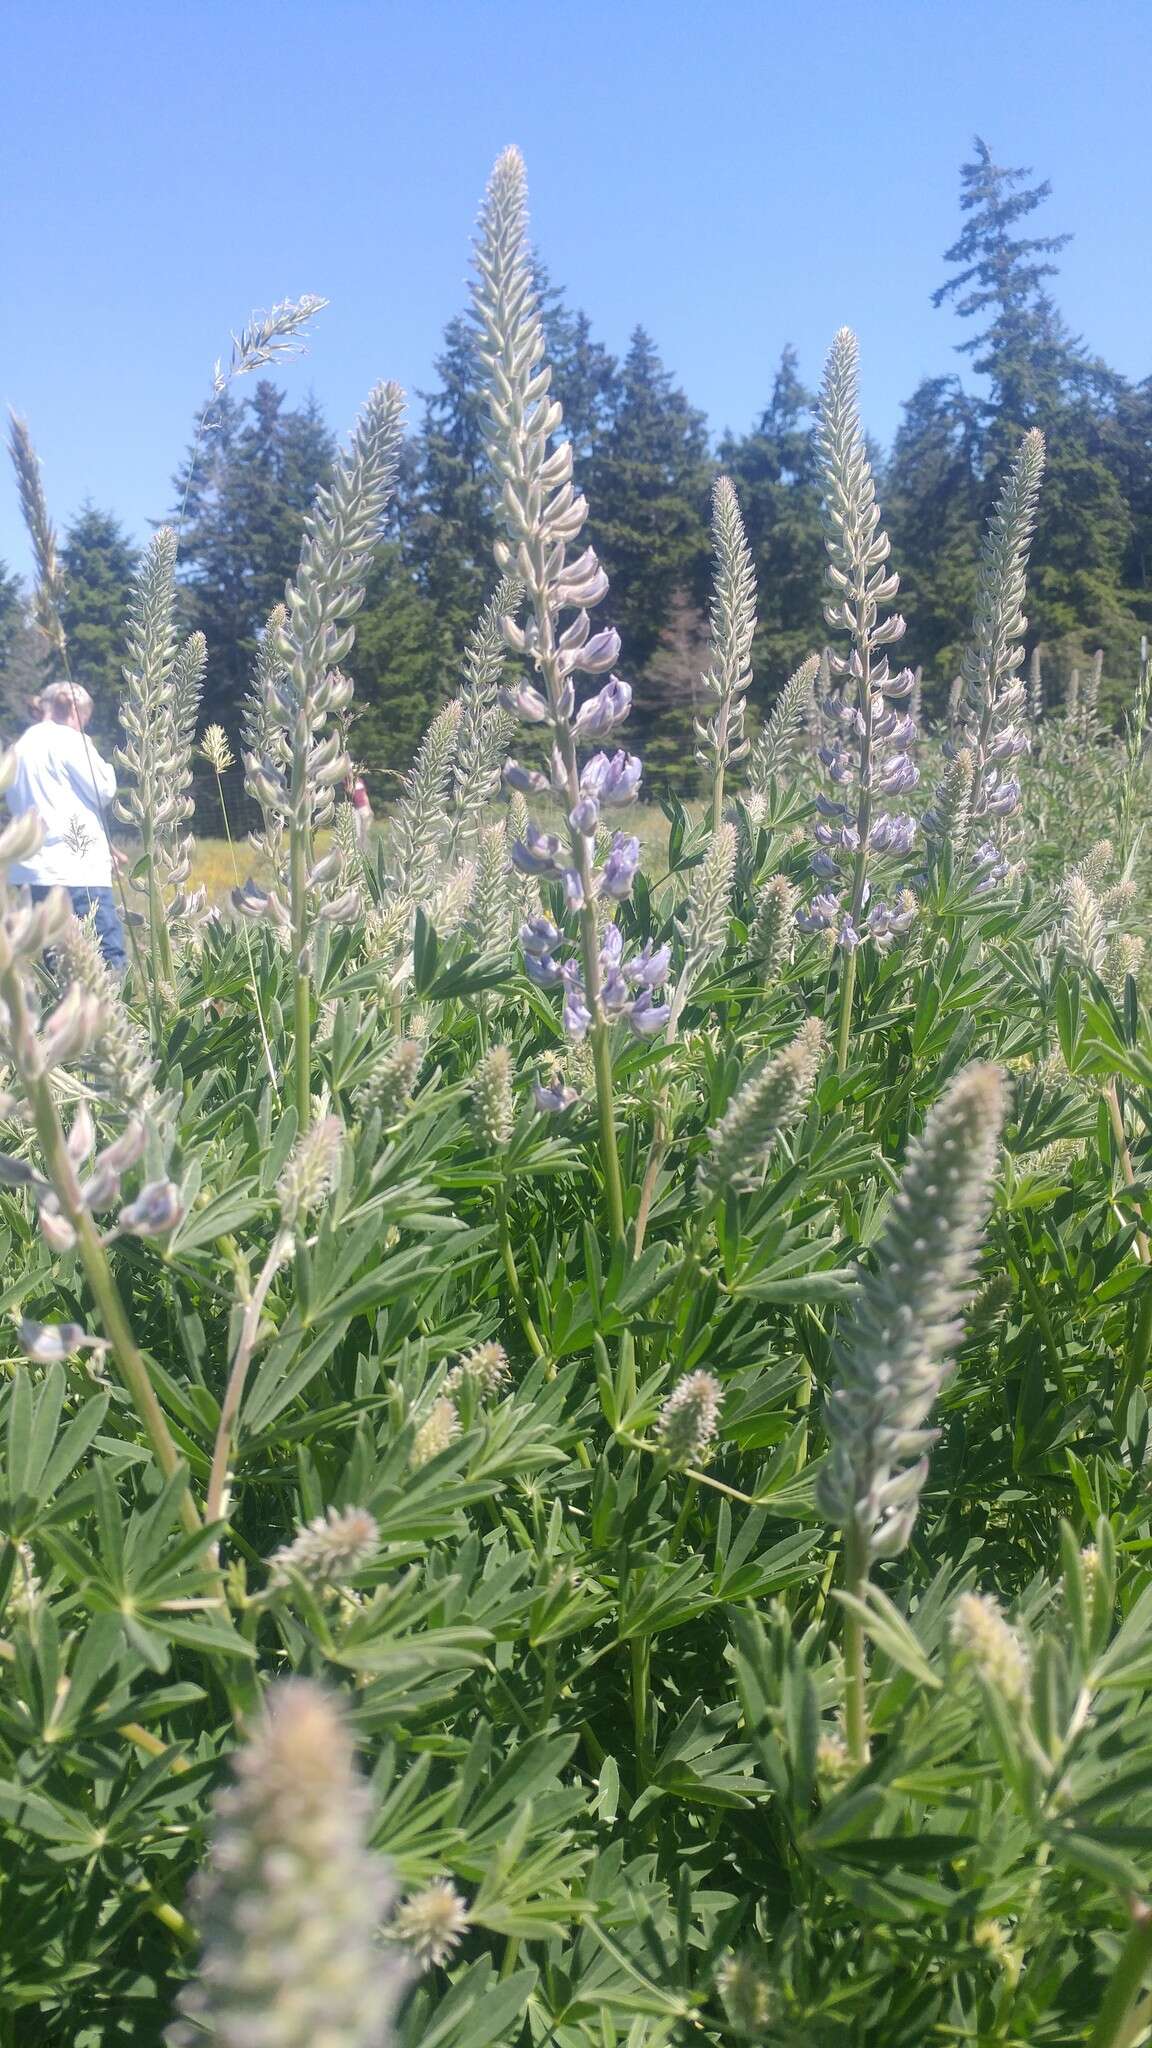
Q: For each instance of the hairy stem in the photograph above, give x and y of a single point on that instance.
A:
(855, 1664)
(238, 1374)
(1122, 2015)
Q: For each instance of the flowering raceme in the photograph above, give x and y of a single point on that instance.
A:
(869, 752)
(544, 515)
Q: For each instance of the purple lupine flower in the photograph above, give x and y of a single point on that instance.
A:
(646, 1016)
(1004, 798)
(883, 922)
(900, 685)
(575, 1016)
(597, 655)
(607, 708)
(573, 888)
(892, 834)
(838, 764)
(821, 913)
(157, 1209)
(542, 969)
(539, 936)
(621, 778)
(1008, 744)
(526, 703)
(611, 947)
(897, 775)
(619, 871)
(538, 853)
(848, 936)
(528, 781)
(822, 864)
(614, 992)
(554, 1097)
(585, 816)
(828, 807)
(649, 969)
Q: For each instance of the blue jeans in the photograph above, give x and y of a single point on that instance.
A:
(109, 930)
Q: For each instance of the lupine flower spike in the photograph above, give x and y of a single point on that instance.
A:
(291, 1901)
(993, 725)
(868, 756)
(897, 1342)
(543, 516)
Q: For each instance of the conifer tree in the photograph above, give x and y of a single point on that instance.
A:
(99, 564)
(253, 485)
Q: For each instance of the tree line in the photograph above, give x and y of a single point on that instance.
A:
(646, 460)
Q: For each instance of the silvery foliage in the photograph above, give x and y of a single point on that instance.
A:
(485, 728)
(774, 746)
(163, 681)
(305, 694)
(732, 621)
(544, 516)
(992, 713)
(267, 338)
(263, 736)
(868, 754)
(895, 1344)
(437, 829)
(420, 823)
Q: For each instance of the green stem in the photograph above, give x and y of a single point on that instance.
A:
(302, 992)
(268, 1060)
(515, 1288)
(641, 1671)
(718, 795)
(581, 848)
(1124, 1157)
(855, 1666)
(1119, 2019)
(238, 1374)
(610, 1157)
(844, 1029)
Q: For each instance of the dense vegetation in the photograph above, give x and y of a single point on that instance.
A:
(646, 460)
(573, 1442)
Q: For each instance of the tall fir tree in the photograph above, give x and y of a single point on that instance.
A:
(933, 501)
(452, 529)
(99, 562)
(252, 487)
(648, 482)
(1038, 375)
(648, 486)
(1023, 349)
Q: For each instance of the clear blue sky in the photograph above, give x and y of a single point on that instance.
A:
(735, 175)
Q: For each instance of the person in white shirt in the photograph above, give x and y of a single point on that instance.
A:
(60, 776)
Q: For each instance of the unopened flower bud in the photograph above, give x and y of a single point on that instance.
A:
(494, 1110)
(979, 1630)
(688, 1420)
